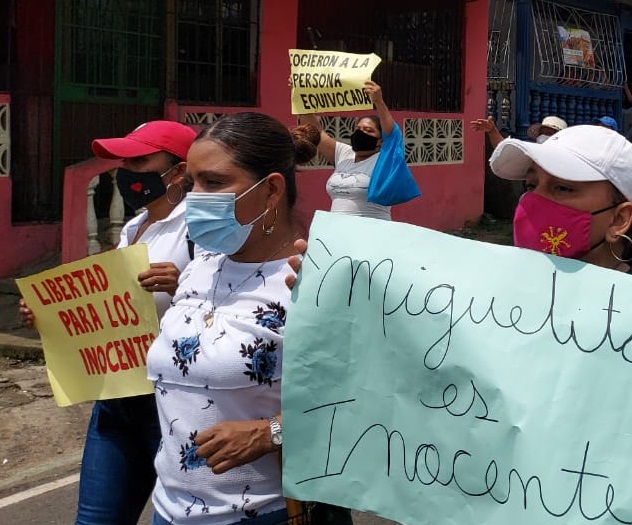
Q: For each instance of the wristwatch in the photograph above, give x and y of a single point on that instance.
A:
(275, 432)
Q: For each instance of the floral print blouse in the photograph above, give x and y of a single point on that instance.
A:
(218, 357)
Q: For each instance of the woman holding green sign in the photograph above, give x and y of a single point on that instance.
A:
(578, 205)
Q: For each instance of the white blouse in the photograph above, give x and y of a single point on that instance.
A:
(349, 183)
(218, 358)
(166, 242)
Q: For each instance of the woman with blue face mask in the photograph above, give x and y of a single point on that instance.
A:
(216, 364)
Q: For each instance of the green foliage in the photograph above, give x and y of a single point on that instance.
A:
(488, 229)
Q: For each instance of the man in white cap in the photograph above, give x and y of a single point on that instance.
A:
(545, 129)
(538, 132)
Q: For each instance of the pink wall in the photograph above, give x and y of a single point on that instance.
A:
(26, 244)
(75, 210)
(452, 193)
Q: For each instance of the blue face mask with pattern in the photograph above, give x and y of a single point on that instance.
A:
(211, 221)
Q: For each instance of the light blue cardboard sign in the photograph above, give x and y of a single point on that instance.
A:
(436, 380)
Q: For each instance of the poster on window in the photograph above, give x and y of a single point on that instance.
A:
(577, 49)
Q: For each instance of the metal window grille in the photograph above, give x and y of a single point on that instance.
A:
(218, 51)
(577, 47)
(501, 44)
(420, 47)
(6, 34)
(112, 49)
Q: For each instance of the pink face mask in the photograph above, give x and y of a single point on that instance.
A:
(546, 226)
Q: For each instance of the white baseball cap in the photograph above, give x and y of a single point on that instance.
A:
(579, 153)
(555, 123)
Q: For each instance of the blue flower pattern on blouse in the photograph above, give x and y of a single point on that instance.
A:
(186, 350)
(263, 360)
(263, 354)
(272, 318)
(188, 459)
(261, 357)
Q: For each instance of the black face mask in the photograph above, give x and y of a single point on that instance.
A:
(361, 141)
(140, 188)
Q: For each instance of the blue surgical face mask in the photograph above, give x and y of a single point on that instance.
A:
(211, 221)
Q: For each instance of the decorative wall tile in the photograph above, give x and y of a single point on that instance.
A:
(433, 141)
(201, 119)
(426, 141)
(5, 139)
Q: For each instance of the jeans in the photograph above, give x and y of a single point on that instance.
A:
(278, 517)
(117, 469)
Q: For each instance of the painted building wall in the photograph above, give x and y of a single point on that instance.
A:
(30, 104)
(452, 193)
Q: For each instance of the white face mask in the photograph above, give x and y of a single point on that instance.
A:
(542, 138)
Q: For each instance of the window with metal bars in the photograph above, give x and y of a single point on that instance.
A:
(501, 43)
(576, 47)
(420, 44)
(218, 51)
(6, 34)
(112, 50)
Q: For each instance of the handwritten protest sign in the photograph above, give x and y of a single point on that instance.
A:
(433, 379)
(96, 324)
(329, 81)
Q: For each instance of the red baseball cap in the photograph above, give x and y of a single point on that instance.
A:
(148, 138)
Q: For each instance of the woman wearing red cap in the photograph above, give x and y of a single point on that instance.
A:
(117, 472)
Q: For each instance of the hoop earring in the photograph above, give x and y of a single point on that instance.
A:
(171, 201)
(267, 230)
(614, 254)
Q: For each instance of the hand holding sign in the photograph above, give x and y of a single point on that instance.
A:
(96, 324)
(161, 277)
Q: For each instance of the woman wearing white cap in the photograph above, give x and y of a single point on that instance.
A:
(578, 202)
(579, 188)
(117, 472)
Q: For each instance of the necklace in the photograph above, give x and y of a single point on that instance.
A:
(209, 316)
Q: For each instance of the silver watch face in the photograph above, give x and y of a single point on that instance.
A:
(277, 438)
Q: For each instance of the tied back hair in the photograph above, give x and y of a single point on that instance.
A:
(306, 139)
(261, 145)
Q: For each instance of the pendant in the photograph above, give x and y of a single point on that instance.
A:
(208, 319)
